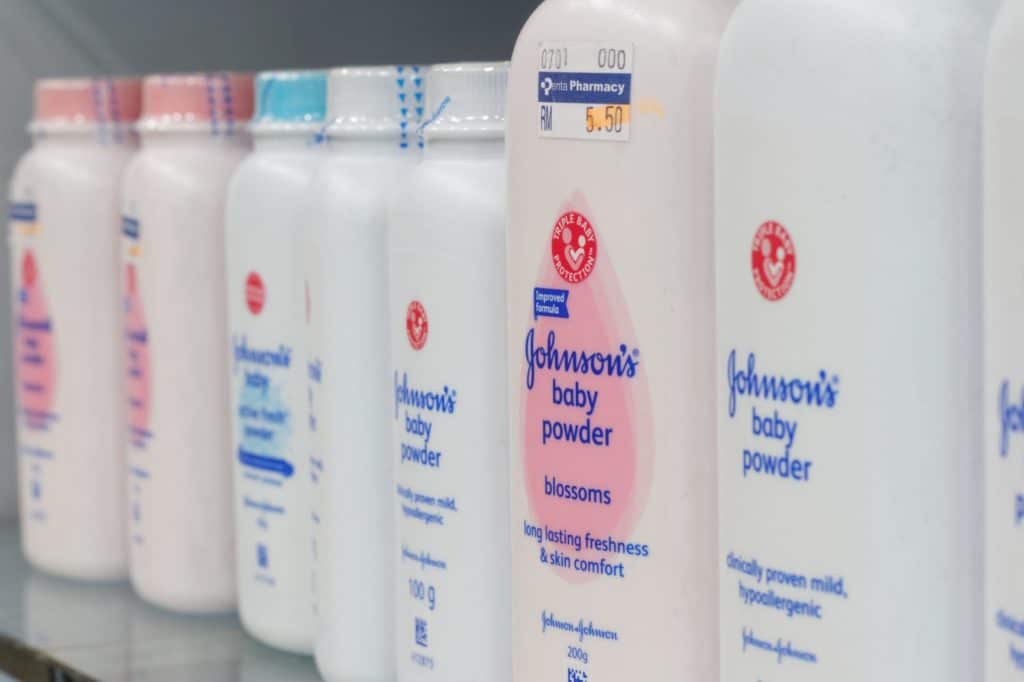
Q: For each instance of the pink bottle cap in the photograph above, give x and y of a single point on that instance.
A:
(87, 100)
(219, 99)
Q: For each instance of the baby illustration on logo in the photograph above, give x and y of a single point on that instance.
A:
(773, 265)
(574, 256)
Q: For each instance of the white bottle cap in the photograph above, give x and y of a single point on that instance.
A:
(375, 101)
(466, 100)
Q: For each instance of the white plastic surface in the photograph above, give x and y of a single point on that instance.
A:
(849, 425)
(268, 386)
(446, 322)
(65, 298)
(179, 446)
(371, 149)
(611, 408)
(347, 271)
(1004, 335)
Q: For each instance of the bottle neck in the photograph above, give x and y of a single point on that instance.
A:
(376, 146)
(84, 136)
(294, 141)
(482, 148)
(173, 139)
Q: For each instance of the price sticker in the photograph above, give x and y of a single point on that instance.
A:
(584, 90)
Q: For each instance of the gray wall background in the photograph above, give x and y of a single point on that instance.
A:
(40, 38)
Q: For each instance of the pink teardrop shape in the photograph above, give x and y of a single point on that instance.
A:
(37, 359)
(137, 367)
(615, 477)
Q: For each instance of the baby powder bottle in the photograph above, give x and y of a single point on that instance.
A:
(267, 367)
(67, 350)
(372, 113)
(446, 243)
(611, 350)
(179, 438)
(848, 254)
(1004, 336)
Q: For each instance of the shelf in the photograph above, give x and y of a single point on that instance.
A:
(56, 629)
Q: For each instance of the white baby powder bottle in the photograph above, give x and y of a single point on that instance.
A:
(67, 326)
(179, 439)
(267, 366)
(1004, 336)
(611, 349)
(848, 255)
(446, 242)
(372, 114)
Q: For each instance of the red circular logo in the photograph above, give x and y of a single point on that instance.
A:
(255, 293)
(574, 247)
(416, 325)
(773, 260)
(29, 271)
(130, 278)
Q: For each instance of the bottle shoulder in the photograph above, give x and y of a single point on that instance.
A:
(210, 159)
(450, 196)
(792, 53)
(826, 25)
(669, 51)
(670, 24)
(24, 170)
(342, 179)
(1006, 46)
(274, 173)
(456, 175)
(88, 168)
(268, 193)
(185, 169)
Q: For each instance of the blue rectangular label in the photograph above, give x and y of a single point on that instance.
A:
(550, 303)
(265, 463)
(130, 227)
(584, 88)
(23, 213)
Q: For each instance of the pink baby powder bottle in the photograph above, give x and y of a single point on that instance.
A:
(63, 245)
(611, 341)
(179, 442)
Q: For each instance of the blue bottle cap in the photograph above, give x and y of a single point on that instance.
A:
(291, 97)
